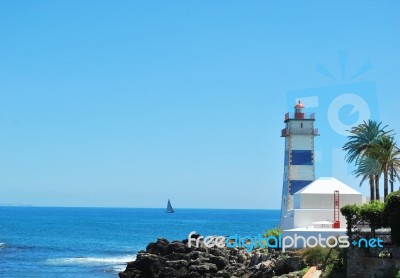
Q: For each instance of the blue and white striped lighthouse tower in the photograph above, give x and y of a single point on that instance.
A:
(299, 169)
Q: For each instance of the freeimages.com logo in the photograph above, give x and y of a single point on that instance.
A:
(286, 242)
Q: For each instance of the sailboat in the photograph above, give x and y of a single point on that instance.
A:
(169, 208)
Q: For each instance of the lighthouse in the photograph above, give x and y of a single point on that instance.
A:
(299, 168)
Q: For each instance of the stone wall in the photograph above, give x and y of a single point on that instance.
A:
(365, 262)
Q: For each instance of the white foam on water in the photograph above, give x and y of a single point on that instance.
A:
(121, 260)
(119, 268)
(2, 245)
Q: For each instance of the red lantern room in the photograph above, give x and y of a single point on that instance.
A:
(298, 111)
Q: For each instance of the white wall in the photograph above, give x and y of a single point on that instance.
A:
(287, 221)
(324, 201)
(305, 217)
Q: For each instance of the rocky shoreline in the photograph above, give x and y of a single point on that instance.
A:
(175, 259)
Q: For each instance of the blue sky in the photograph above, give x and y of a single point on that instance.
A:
(130, 103)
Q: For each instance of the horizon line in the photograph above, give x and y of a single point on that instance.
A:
(122, 207)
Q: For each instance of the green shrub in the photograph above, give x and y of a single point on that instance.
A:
(392, 212)
(303, 271)
(272, 232)
(373, 213)
(315, 256)
(283, 256)
(352, 215)
(334, 269)
(331, 260)
(328, 272)
(350, 211)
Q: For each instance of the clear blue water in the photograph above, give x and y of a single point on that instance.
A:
(97, 242)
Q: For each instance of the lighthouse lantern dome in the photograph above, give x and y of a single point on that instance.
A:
(298, 110)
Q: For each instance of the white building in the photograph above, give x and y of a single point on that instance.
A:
(313, 211)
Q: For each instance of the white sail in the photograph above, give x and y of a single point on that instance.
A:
(169, 207)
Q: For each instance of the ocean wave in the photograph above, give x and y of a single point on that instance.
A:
(118, 268)
(120, 260)
(2, 245)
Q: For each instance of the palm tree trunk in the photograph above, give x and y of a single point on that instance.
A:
(391, 178)
(377, 196)
(385, 183)
(371, 187)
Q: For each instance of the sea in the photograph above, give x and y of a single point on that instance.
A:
(98, 242)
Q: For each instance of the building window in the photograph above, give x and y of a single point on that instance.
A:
(301, 125)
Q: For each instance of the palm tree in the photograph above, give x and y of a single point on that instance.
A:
(362, 137)
(388, 154)
(368, 168)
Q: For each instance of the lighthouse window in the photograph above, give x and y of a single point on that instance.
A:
(301, 125)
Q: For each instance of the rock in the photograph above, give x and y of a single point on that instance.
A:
(220, 262)
(293, 264)
(170, 272)
(177, 257)
(258, 257)
(199, 261)
(279, 262)
(265, 265)
(217, 252)
(241, 258)
(145, 261)
(164, 259)
(177, 264)
(196, 254)
(204, 268)
(177, 247)
(158, 248)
